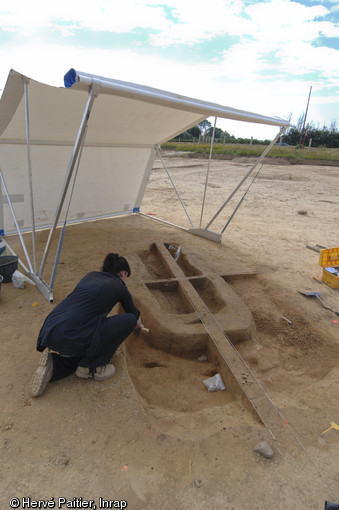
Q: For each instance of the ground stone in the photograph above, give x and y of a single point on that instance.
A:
(264, 450)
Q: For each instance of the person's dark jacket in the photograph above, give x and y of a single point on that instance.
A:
(73, 328)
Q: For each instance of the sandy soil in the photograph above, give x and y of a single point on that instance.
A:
(153, 435)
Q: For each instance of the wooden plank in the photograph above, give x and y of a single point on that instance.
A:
(228, 275)
(229, 362)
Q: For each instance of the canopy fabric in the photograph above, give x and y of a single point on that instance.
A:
(86, 151)
(127, 121)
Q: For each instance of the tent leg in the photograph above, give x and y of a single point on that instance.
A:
(16, 222)
(63, 230)
(208, 171)
(82, 130)
(30, 178)
(239, 203)
(57, 256)
(263, 155)
(174, 186)
(42, 286)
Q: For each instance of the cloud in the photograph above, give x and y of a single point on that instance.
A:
(283, 13)
(302, 59)
(267, 66)
(283, 48)
(197, 21)
(173, 23)
(280, 21)
(106, 15)
(49, 62)
(275, 22)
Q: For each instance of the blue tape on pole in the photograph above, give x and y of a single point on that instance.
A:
(136, 209)
(70, 78)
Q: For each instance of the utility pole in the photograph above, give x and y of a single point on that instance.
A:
(302, 131)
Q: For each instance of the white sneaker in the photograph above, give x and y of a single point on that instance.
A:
(100, 373)
(42, 375)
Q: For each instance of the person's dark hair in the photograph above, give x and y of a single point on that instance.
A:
(113, 263)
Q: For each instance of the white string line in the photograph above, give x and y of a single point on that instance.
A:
(264, 391)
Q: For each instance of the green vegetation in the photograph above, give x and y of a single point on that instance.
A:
(237, 149)
(297, 143)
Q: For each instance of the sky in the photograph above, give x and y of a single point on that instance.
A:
(260, 56)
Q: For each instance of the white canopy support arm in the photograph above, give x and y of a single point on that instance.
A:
(83, 81)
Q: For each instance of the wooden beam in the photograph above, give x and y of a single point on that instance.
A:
(225, 275)
(229, 362)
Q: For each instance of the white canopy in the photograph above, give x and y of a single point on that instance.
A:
(113, 127)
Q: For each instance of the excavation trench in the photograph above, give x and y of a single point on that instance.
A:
(195, 322)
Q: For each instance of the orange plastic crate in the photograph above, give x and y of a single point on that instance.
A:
(329, 257)
(330, 279)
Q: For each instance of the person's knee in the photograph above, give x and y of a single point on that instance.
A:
(133, 320)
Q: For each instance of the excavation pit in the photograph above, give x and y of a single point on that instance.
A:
(169, 381)
(170, 297)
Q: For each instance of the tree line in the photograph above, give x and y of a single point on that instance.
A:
(297, 135)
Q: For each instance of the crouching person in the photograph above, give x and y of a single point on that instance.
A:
(77, 336)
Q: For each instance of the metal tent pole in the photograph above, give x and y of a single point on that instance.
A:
(93, 92)
(208, 171)
(15, 221)
(240, 202)
(63, 230)
(174, 186)
(30, 177)
(268, 148)
(82, 81)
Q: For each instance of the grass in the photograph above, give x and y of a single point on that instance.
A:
(232, 149)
